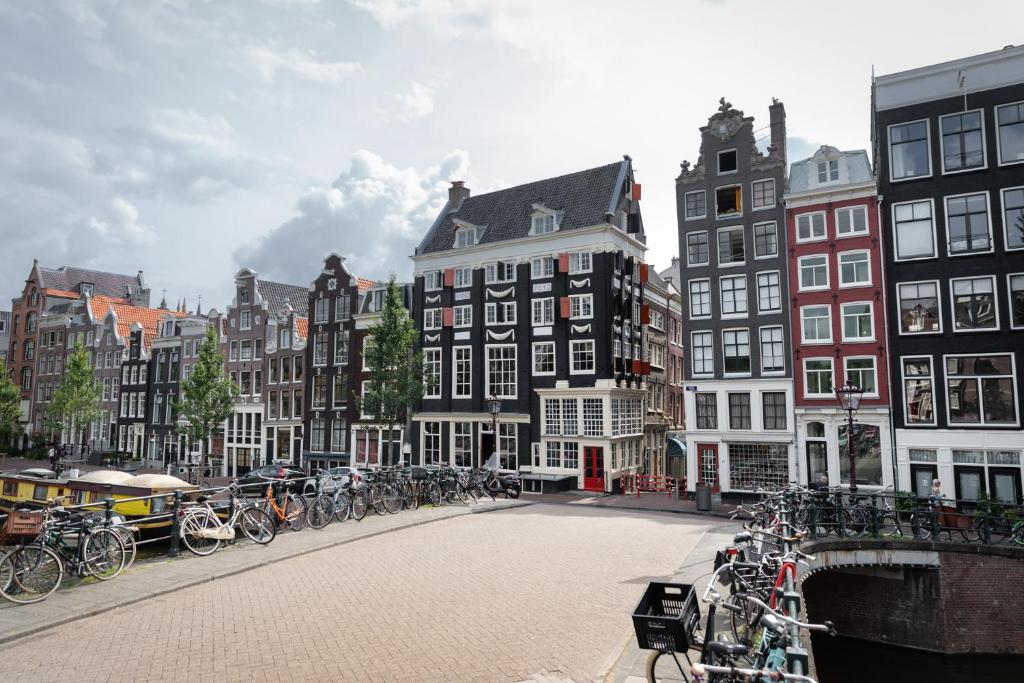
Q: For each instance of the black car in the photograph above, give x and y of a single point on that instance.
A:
(296, 479)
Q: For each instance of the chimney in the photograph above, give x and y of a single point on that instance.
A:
(457, 194)
(777, 118)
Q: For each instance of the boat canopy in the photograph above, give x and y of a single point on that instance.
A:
(107, 477)
(158, 481)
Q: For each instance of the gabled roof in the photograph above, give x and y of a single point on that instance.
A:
(854, 169)
(276, 294)
(365, 284)
(69, 278)
(582, 198)
(302, 327)
(148, 318)
(60, 293)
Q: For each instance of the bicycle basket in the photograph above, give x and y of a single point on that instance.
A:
(20, 523)
(666, 617)
(418, 473)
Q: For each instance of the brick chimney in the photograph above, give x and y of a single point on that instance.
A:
(457, 193)
(777, 118)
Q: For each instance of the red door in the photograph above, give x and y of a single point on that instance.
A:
(707, 465)
(593, 468)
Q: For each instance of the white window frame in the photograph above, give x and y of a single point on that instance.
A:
(903, 389)
(988, 214)
(585, 303)
(1009, 298)
(981, 424)
(533, 359)
(576, 262)
(760, 348)
(461, 233)
(718, 161)
(721, 296)
(439, 353)
(718, 251)
(984, 142)
(775, 230)
(799, 271)
(995, 303)
(846, 372)
(493, 277)
(832, 369)
(547, 305)
(687, 217)
(433, 318)
(711, 352)
(856, 283)
(764, 207)
(928, 146)
(433, 281)
(462, 316)
(538, 271)
(456, 361)
(463, 277)
(757, 289)
(750, 352)
(842, 321)
(895, 237)
(543, 218)
(1002, 217)
(573, 345)
(488, 390)
(999, 140)
(810, 218)
(899, 306)
(803, 326)
(707, 245)
(854, 208)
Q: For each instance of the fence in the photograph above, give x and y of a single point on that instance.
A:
(653, 483)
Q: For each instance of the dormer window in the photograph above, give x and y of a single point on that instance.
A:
(86, 289)
(169, 328)
(543, 224)
(465, 237)
(828, 171)
(243, 296)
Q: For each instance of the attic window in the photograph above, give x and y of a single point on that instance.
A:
(466, 237)
(729, 201)
(543, 224)
(244, 296)
(727, 161)
(86, 289)
(828, 171)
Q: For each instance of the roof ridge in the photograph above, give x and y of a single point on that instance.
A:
(543, 180)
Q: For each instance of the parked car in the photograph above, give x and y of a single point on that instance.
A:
(340, 476)
(296, 478)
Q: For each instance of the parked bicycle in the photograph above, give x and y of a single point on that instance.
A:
(202, 531)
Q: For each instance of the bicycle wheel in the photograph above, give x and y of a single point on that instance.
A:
(359, 504)
(667, 666)
(103, 554)
(434, 493)
(745, 622)
(377, 502)
(342, 505)
(888, 525)
(256, 525)
(127, 536)
(392, 499)
(411, 499)
(33, 572)
(294, 511)
(920, 526)
(1017, 535)
(194, 527)
(320, 512)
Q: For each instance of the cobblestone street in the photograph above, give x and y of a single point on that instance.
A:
(545, 589)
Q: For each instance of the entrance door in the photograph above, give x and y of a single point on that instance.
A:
(593, 468)
(486, 447)
(923, 475)
(284, 440)
(707, 465)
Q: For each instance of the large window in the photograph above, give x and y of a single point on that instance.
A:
(919, 307)
(543, 311)
(1016, 282)
(499, 272)
(908, 151)
(736, 346)
(581, 354)
(769, 292)
(861, 371)
(501, 371)
(320, 349)
(317, 430)
(1010, 122)
(974, 304)
(544, 358)
(915, 231)
(967, 224)
(918, 390)
(730, 246)
(818, 377)
(432, 319)
(816, 324)
(734, 295)
(462, 433)
(867, 453)
(773, 350)
(728, 201)
(321, 310)
(552, 417)
(581, 306)
(700, 298)
(851, 220)
(463, 316)
(753, 466)
(696, 205)
(432, 373)
(702, 353)
(766, 240)
(858, 322)
(773, 408)
(542, 267)
(508, 448)
(697, 248)
(340, 394)
(854, 269)
(343, 306)
(707, 410)
(1013, 217)
(981, 389)
(581, 262)
(341, 339)
(431, 442)
(462, 367)
(813, 272)
(739, 411)
(763, 193)
(963, 141)
(810, 226)
(593, 417)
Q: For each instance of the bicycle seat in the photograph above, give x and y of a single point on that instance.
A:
(729, 649)
(743, 537)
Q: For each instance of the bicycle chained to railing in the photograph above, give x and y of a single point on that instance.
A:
(202, 530)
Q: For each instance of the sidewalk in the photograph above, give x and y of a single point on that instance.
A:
(161, 575)
(647, 502)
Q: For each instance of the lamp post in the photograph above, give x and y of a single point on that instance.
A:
(849, 398)
(494, 408)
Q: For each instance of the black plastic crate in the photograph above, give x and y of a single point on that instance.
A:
(666, 617)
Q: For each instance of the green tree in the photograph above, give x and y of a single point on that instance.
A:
(10, 408)
(77, 402)
(208, 395)
(396, 370)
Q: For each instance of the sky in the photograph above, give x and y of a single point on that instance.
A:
(191, 138)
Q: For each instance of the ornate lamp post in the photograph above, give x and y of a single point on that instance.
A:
(849, 398)
(494, 408)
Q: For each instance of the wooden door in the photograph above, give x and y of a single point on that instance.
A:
(593, 468)
(707, 465)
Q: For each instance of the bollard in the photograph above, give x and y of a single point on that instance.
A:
(108, 512)
(175, 526)
(812, 519)
(840, 517)
(874, 516)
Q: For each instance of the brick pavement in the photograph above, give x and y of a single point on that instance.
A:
(543, 590)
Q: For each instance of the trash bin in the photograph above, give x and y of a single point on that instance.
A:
(703, 497)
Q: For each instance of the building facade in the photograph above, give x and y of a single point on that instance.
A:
(837, 305)
(534, 295)
(5, 338)
(949, 157)
(734, 284)
(663, 350)
(133, 397)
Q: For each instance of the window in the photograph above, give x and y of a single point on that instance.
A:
(816, 324)
(543, 311)
(1010, 122)
(702, 353)
(463, 316)
(697, 248)
(763, 193)
(552, 417)
(818, 377)
(981, 390)
(773, 350)
(739, 411)
(851, 220)
(813, 272)
(919, 307)
(431, 373)
(729, 201)
(707, 410)
(542, 267)
(341, 339)
(543, 224)
(854, 269)
(696, 205)
(593, 417)
(730, 246)
(769, 292)
(431, 442)
(736, 344)
(581, 353)
(580, 262)
(339, 397)
(918, 396)
(861, 371)
(543, 358)
(501, 371)
(963, 141)
(431, 282)
(463, 277)
(974, 304)
(1016, 283)
(499, 272)
(810, 226)
(432, 319)
(581, 306)
(967, 224)
(245, 320)
(727, 161)
(734, 295)
(858, 323)
(507, 446)
(766, 241)
(915, 232)
(553, 454)
(465, 237)
(700, 298)
(1013, 217)
(319, 399)
(773, 409)
(462, 365)
(320, 349)
(321, 311)
(908, 151)
(570, 419)
(828, 171)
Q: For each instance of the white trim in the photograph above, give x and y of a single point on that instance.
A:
(988, 217)
(771, 373)
(499, 295)
(928, 147)
(981, 405)
(1009, 298)
(533, 359)
(842, 321)
(732, 264)
(813, 342)
(775, 230)
(487, 370)
(455, 369)
(1002, 217)
(851, 208)
(573, 343)
(533, 317)
(455, 316)
(899, 307)
(693, 371)
(586, 301)
(721, 298)
(749, 352)
(839, 268)
(799, 274)
(703, 215)
(874, 365)
(718, 161)
(440, 370)
(810, 218)
(984, 142)
(501, 336)
(707, 244)
(999, 140)
(895, 235)
(757, 291)
(903, 389)
(775, 195)
(995, 302)
(832, 370)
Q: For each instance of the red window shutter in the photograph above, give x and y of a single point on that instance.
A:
(637, 366)
(636, 192)
(647, 368)
(643, 272)
(564, 304)
(449, 277)
(645, 314)
(448, 316)
(563, 263)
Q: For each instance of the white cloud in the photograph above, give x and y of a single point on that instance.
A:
(374, 214)
(416, 103)
(302, 63)
(115, 225)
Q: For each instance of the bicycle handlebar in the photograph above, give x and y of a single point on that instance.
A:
(698, 670)
(827, 627)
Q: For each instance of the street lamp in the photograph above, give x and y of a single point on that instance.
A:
(849, 398)
(494, 408)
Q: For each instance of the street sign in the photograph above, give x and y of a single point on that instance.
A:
(691, 387)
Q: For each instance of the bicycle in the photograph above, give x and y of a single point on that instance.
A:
(202, 531)
(291, 511)
(320, 511)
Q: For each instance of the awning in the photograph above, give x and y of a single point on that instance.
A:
(676, 448)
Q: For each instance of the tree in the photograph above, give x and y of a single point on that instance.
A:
(10, 408)
(77, 402)
(396, 371)
(208, 395)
